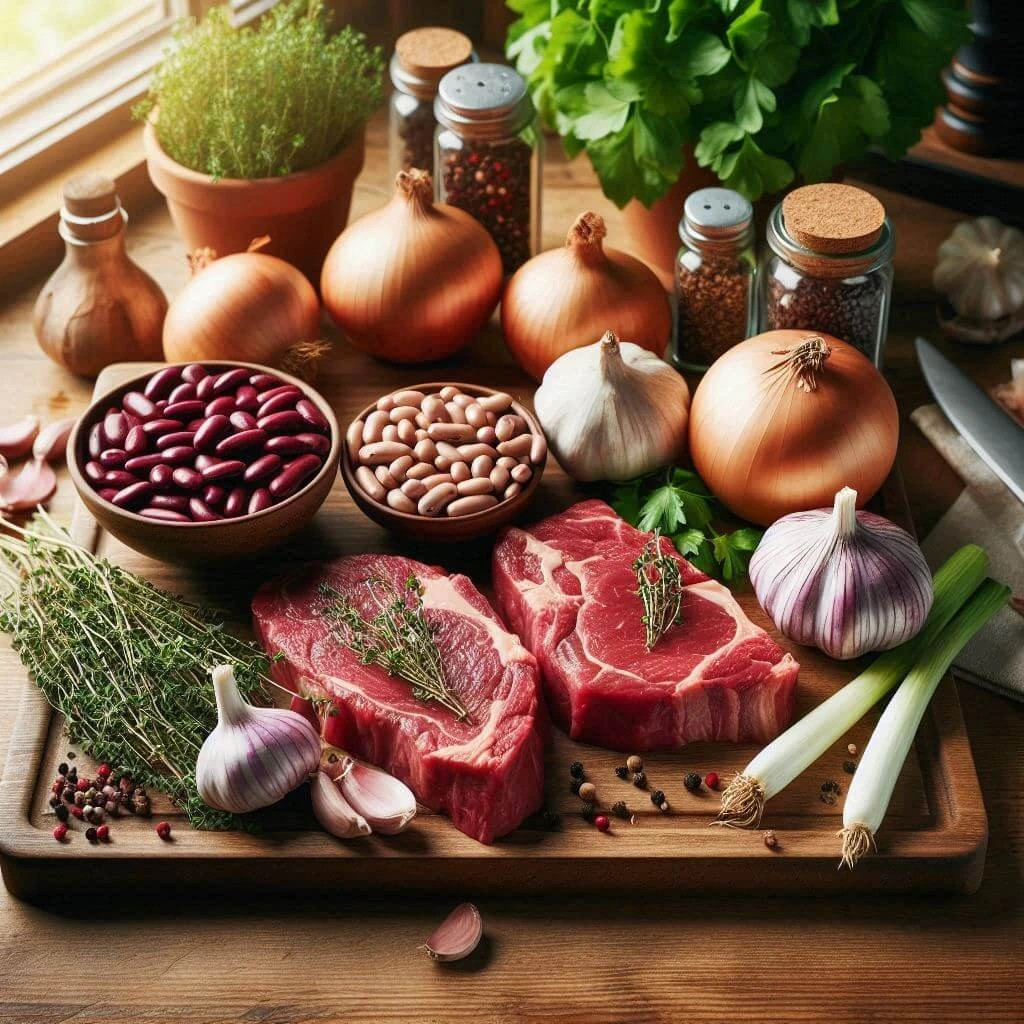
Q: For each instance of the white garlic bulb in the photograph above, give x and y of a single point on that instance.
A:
(844, 581)
(612, 410)
(255, 756)
(980, 269)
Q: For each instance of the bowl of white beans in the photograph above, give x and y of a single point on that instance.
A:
(443, 461)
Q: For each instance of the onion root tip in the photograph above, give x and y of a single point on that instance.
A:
(742, 803)
(857, 841)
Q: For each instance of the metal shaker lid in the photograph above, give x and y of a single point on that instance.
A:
(716, 213)
(483, 100)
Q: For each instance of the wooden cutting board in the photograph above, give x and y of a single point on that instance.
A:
(933, 839)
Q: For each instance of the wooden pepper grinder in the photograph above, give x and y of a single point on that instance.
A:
(98, 307)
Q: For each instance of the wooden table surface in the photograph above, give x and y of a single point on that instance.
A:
(101, 954)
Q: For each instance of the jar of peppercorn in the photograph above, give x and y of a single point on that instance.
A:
(421, 59)
(829, 266)
(715, 273)
(488, 155)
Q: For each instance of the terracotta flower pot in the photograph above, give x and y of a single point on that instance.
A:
(302, 213)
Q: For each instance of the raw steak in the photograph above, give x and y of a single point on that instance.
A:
(487, 774)
(568, 587)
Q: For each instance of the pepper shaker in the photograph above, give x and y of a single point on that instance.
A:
(716, 270)
(488, 155)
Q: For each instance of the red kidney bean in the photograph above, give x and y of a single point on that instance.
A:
(161, 405)
(136, 403)
(182, 393)
(241, 442)
(268, 394)
(247, 398)
(213, 495)
(187, 479)
(311, 414)
(106, 493)
(155, 428)
(144, 463)
(115, 428)
(119, 478)
(161, 476)
(223, 470)
(113, 458)
(285, 422)
(96, 440)
(279, 403)
(200, 511)
(261, 499)
(175, 502)
(136, 442)
(202, 461)
(185, 410)
(229, 380)
(298, 444)
(242, 420)
(262, 381)
(162, 383)
(179, 437)
(294, 475)
(212, 430)
(133, 495)
(204, 389)
(164, 515)
(177, 455)
(223, 406)
(195, 424)
(263, 467)
(235, 503)
(193, 373)
(94, 471)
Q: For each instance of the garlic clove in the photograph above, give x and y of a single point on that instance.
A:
(457, 936)
(16, 438)
(387, 803)
(255, 756)
(32, 485)
(52, 441)
(333, 811)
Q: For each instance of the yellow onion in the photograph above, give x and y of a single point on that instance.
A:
(786, 419)
(248, 306)
(415, 280)
(566, 298)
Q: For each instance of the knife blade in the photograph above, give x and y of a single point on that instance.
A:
(980, 422)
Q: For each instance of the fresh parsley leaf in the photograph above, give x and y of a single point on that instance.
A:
(604, 113)
(695, 498)
(733, 550)
(626, 500)
(688, 542)
(704, 559)
(663, 510)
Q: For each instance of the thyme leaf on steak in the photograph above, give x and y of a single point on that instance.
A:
(659, 588)
(397, 637)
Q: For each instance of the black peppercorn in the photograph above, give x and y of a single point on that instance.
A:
(849, 767)
(62, 768)
(551, 820)
(90, 834)
(658, 798)
(574, 786)
(62, 812)
(692, 782)
(619, 809)
(576, 770)
(639, 780)
(588, 812)
(622, 771)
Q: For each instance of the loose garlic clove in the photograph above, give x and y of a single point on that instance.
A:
(52, 441)
(16, 438)
(31, 486)
(457, 936)
(387, 803)
(333, 811)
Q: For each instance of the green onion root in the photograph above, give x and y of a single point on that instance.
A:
(742, 802)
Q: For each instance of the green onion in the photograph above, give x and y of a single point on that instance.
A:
(872, 786)
(779, 763)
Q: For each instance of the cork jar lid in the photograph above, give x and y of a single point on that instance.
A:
(91, 210)
(429, 53)
(832, 218)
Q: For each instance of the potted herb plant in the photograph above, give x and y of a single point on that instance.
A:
(666, 96)
(259, 130)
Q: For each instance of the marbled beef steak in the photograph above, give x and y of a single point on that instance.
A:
(568, 587)
(487, 773)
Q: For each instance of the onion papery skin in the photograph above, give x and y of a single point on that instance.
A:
(248, 306)
(568, 297)
(766, 448)
(414, 281)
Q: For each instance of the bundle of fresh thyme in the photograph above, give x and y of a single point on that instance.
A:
(398, 638)
(660, 589)
(126, 663)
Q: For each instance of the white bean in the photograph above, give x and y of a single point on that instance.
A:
(482, 466)
(425, 450)
(474, 503)
(403, 412)
(421, 434)
(407, 432)
(516, 446)
(475, 486)
(389, 433)
(460, 472)
(476, 415)
(419, 471)
(486, 435)
(434, 501)
(457, 432)
(369, 483)
(449, 392)
(409, 397)
(538, 448)
(507, 462)
(456, 414)
(387, 481)
(401, 502)
(449, 451)
(513, 490)
(434, 410)
(436, 479)
(497, 402)
(382, 453)
(414, 489)
(509, 426)
(374, 428)
(354, 438)
(401, 466)
(386, 402)
(464, 400)
(521, 474)
(499, 478)
(469, 452)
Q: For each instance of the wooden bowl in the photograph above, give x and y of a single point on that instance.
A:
(221, 541)
(442, 529)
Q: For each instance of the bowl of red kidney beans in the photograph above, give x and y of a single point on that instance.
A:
(197, 462)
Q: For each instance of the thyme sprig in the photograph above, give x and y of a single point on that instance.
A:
(397, 637)
(126, 663)
(660, 589)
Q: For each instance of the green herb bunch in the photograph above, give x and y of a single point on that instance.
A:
(764, 89)
(660, 589)
(126, 663)
(677, 503)
(262, 101)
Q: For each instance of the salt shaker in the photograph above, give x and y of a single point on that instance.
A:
(488, 155)
(716, 270)
(98, 307)
(829, 266)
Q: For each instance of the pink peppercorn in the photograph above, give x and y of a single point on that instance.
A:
(83, 785)
(601, 823)
(102, 832)
(59, 832)
(76, 811)
(163, 830)
(103, 771)
(711, 780)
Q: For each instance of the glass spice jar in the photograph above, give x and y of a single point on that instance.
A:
(829, 266)
(488, 155)
(716, 270)
(421, 59)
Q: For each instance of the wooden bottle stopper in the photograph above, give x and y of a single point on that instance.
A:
(833, 219)
(430, 53)
(92, 210)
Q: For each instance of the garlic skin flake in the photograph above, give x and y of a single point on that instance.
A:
(613, 411)
(844, 581)
(255, 756)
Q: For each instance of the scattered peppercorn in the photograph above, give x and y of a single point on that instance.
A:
(639, 780)
(658, 797)
(90, 834)
(635, 763)
(103, 771)
(711, 780)
(76, 811)
(551, 820)
(103, 833)
(163, 830)
(620, 810)
(62, 812)
(82, 785)
(588, 792)
(830, 790)
(849, 767)
(80, 800)
(60, 831)
(71, 755)
(770, 840)
(601, 823)
(588, 812)
(576, 770)
(622, 771)
(663, 807)
(62, 768)
(54, 802)
(851, 749)
(692, 782)
(574, 786)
